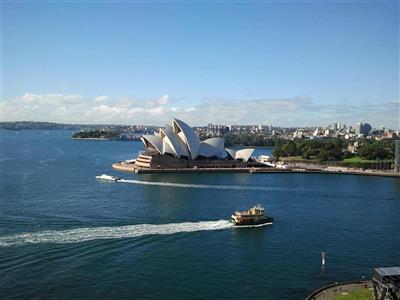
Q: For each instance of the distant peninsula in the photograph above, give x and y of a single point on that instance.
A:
(85, 131)
(32, 125)
(97, 135)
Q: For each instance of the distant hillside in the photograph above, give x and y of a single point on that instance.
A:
(84, 131)
(28, 125)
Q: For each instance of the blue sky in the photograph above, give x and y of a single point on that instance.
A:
(281, 63)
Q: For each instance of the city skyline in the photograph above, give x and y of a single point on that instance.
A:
(286, 64)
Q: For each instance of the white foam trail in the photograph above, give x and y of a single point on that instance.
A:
(250, 226)
(96, 233)
(199, 186)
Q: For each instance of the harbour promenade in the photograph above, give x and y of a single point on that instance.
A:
(329, 292)
(131, 168)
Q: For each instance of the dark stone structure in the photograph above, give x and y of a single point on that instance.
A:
(386, 283)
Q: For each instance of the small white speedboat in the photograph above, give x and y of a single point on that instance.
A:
(108, 177)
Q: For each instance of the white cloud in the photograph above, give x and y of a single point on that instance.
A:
(51, 99)
(101, 99)
(163, 100)
(69, 108)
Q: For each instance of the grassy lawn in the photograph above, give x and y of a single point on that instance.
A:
(298, 159)
(292, 158)
(357, 159)
(356, 162)
(360, 294)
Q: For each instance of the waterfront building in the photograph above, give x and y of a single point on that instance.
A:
(353, 147)
(386, 283)
(177, 146)
(180, 141)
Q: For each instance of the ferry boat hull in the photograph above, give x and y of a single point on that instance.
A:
(106, 177)
(245, 222)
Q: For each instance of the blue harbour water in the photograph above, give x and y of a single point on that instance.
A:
(64, 235)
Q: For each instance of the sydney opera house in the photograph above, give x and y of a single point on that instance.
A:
(177, 146)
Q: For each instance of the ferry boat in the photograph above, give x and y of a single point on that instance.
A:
(108, 177)
(253, 216)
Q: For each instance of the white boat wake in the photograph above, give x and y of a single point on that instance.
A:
(199, 186)
(97, 233)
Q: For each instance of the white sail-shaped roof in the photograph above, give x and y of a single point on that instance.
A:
(170, 138)
(167, 149)
(243, 154)
(212, 147)
(216, 142)
(153, 141)
(231, 152)
(188, 136)
(207, 150)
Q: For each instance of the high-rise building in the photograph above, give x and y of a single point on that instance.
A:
(358, 128)
(336, 126)
(363, 128)
(366, 128)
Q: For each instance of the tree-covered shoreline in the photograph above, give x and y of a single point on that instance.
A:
(96, 134)
(369, 154)
(334, 149)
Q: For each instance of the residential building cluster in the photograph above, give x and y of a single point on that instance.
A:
(359, 130)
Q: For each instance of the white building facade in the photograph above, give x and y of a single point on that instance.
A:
(180, 141)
